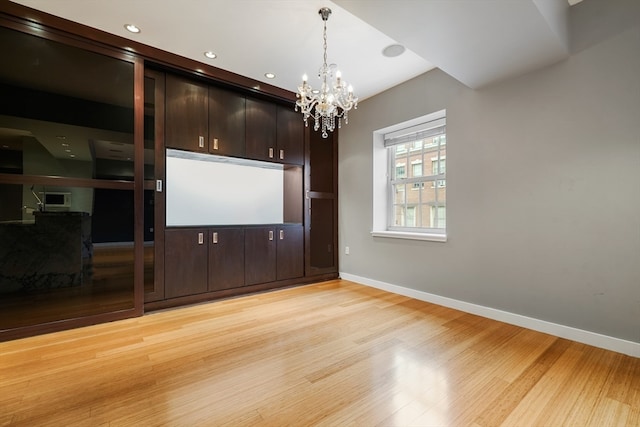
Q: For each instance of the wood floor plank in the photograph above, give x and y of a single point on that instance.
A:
(329, 354)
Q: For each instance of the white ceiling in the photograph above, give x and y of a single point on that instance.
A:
(477, 42)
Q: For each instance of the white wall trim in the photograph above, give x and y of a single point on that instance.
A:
(629, 348)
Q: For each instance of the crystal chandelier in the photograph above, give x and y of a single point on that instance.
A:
(334, 99)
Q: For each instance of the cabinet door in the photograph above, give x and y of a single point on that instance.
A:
(260, 255)
(186, 110)
(226, 122)
(290, 136)
(321, 239)
(261, 130)
(185, 262)
(290, 252)
(226, 258)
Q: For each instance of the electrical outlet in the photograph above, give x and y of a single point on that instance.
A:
(346, 250)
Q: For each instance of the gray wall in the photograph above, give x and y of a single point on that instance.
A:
(543, 187)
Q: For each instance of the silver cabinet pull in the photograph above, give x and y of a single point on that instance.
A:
(281, 154)
(200, 238)
(215, 143)
(215, 237)
(271, 152)
(281, 234)
(270, 234)
(201, 141)
(159, 185)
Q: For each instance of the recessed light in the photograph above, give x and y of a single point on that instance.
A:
(64, 144)
(210, 55)
(393, 50)
(67, 150)
(132, 28)
(270, 75)
(72, 155)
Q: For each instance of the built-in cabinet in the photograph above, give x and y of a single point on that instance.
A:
(200, 260)
(209, 260)
(204, 118)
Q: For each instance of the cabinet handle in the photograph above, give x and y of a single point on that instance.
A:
(159, 185)
(201, 141)
(271, 152)
(281, 154)
(215, 143)
(270, 234)
(200, 238)
(281, 234)
(215, 237)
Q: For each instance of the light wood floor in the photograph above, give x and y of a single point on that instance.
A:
(335, 354)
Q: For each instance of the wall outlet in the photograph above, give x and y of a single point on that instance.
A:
(346, 250)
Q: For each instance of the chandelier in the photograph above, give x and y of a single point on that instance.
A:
(332, 102)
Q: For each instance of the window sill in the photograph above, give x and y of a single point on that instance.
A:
(431, 237)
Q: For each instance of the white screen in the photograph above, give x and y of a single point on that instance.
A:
(204, 189)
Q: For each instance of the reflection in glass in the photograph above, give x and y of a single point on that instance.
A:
(59, 262)
(68, 111)
(66, 250)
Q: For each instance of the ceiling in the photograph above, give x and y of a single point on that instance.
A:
(477, 42)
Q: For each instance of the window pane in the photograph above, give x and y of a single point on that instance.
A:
(433, 206)
(419, 203)
(399, 216)
(400, 194)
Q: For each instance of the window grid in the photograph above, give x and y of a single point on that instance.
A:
(425, 208)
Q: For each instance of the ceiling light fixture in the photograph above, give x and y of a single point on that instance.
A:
(132, 28)
(210, 55)
(270, 75)
(335, 97)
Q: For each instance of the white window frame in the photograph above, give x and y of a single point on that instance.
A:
(382, 197)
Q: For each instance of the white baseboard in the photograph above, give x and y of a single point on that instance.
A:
(591, 338)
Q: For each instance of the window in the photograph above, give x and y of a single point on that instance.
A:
(413, 157)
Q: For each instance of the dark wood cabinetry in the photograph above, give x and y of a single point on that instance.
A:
(226, 258)
(261, 130)
(274, 253)
(290, 136)
(186, 258)
(321, 241)
(204, 118)
(226, 122)
(174, 102)
(187, 117)
(290, 252)
(274, 133)
(253, 257)
(260, 255)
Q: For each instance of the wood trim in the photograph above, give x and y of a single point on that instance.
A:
(138, 193)
(61, 325)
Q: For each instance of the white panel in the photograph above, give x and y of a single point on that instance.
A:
(214, 190)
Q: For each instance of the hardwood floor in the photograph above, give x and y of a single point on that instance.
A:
(334, 354)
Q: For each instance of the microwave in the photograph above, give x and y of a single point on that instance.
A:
(55, 201)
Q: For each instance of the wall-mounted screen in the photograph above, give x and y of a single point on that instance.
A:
(204, 189)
